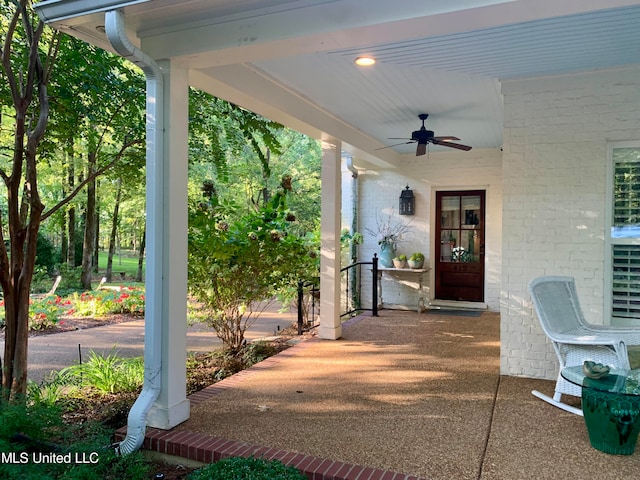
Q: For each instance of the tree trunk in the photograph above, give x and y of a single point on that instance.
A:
(141, 255)
(71, 227)
(64, 239)
(28, 87)
(89, 226)
(71, 220)
(114, 231)
(96, 238)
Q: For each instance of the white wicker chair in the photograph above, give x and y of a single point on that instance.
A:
(574, 340)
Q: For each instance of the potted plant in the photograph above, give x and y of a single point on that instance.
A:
(400, 261)
(416, 260)
(388, 235)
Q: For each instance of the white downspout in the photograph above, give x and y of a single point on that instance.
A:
(137, 420)
(354, 207)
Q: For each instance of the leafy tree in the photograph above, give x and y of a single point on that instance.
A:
(221, 132)
(26, 72)
(96, 121)
(244, 156)
(28, 53)
(238, 262)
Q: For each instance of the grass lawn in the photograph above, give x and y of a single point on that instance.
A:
(127, 262)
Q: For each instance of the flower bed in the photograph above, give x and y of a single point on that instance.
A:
(51, 312)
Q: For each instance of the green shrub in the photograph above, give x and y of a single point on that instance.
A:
(256, 352)
(45, 312)
(71, 279)
(238, 261)
(47, 255)
(238, 468)
(49, 392)
(127, 300)
(28, 429)
(110, 374)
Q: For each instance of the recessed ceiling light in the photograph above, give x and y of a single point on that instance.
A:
(365, 61)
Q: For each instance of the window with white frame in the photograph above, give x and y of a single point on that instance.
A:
(624, 233)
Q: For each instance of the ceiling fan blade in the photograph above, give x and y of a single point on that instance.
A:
(395, 145)
(421, 150)
(445, 139)
(466, 148)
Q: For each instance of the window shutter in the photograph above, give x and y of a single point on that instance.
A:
(626, 281)
(625, 233)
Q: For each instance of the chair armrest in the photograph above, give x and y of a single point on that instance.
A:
(630, 336)
(617, 345)
(584, 338)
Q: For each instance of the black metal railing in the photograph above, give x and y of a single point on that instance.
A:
(351, 298)
(352, 280)
(308, 305)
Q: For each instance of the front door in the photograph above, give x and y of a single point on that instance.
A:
(459, 255)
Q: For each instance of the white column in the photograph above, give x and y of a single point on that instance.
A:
(330, 326)
(170, 253)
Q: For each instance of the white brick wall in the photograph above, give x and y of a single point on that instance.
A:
(380, 190)
(556, 131)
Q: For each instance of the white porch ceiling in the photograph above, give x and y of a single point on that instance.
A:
(292, 60)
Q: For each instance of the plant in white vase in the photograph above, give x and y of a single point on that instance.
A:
(400, 261)
(388, 234)
(416, 260)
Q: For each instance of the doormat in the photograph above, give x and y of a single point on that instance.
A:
(456, 313)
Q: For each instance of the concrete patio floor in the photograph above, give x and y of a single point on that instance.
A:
(402, 395)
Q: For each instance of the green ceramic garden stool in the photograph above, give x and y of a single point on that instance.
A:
(611, 407)
(612, 418)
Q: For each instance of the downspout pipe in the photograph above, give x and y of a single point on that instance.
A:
(354, 206)
(354, 228)
(137, 420)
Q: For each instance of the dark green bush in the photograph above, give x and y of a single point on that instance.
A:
(256, 352)
(47, 255)
(238, 468)
(29, 431)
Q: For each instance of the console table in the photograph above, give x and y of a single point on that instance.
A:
(402, 275)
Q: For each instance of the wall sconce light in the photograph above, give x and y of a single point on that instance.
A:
(407, 202)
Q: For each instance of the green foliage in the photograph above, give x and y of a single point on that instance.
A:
(47, 255)
(126, 300)
(110, 374)
(70, 279)
(35, 420)
(42, 280)
(28, 429)
(221, 131)
(51, 391)
(242, 158)
(45, 312)
(239, 468)
(255, 352)
(238, 261)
